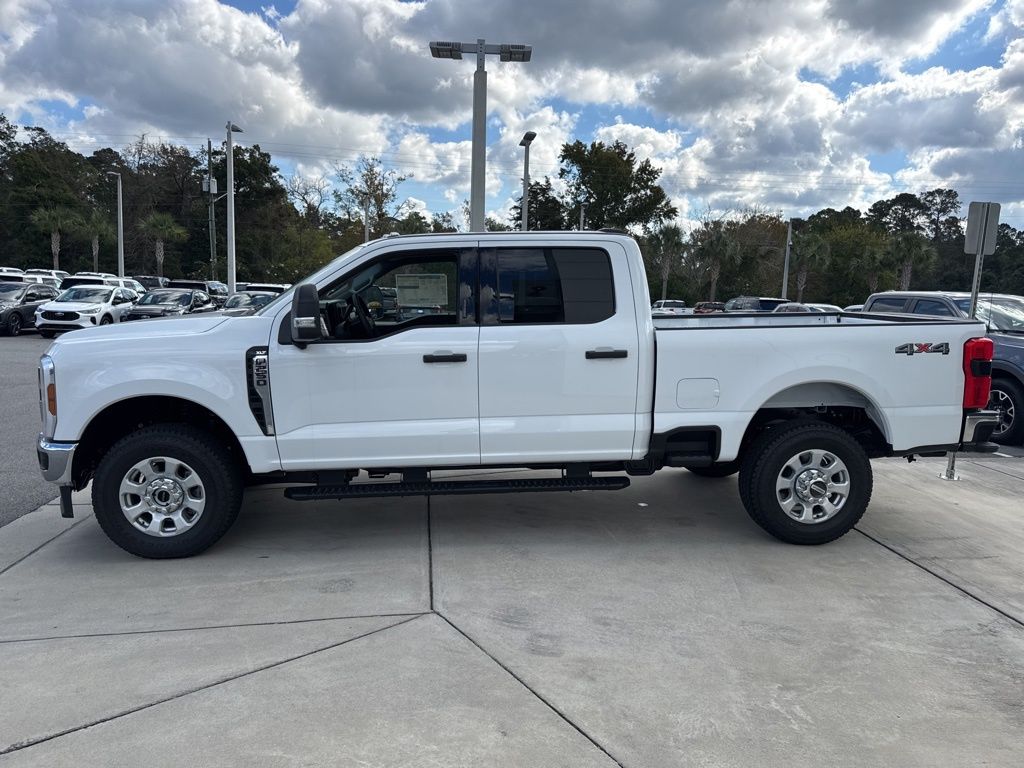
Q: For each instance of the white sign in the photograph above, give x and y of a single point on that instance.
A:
(422, 290)
(982, 227)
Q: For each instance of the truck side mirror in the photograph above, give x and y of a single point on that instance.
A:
(305, 315)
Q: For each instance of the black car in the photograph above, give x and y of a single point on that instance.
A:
(215, 290)
(753, 304)
(170, 302)
(18, 303)
(247, 302)
(149, 282)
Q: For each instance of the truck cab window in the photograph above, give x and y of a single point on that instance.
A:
(554, 285)
(397, 292)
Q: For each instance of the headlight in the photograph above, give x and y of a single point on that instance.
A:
(92, 311)
(48, 395)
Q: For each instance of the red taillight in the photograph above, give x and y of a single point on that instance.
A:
(977, 372)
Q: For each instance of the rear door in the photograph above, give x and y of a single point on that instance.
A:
(558, 353)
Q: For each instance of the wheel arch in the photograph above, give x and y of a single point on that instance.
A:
(123, 417)
(830, 402)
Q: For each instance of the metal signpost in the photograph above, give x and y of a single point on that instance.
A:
(982, 228)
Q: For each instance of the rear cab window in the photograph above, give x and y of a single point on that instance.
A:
(887, 304)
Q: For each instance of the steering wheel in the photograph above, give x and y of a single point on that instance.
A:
(363, 314)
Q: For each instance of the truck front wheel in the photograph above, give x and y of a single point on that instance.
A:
(167, 490)
(806, 483)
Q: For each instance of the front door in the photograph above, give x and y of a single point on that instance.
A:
(394, 385)
(558, 354)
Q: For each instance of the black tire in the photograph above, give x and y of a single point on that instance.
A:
(106, 320)
(14, 324)
(722, 469)
(766, 458)
(1003, 390)
(212, 462)
(47, 334)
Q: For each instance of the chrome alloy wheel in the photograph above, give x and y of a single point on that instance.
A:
(1002, 403)
(162, 496)
(813, 486)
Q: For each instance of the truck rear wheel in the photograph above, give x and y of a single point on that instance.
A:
(167, 490)
(1008, 399)
(806, 483)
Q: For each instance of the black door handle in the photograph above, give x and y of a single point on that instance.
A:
(605, 354)
(448, 358)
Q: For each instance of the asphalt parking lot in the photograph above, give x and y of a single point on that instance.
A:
(656, 626)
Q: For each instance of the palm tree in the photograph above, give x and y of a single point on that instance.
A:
(713, 248)
(871, 264)
(55, 221)
(909, 250)
(665, 252)
(95, 226)
(162, 228)
(810, 252)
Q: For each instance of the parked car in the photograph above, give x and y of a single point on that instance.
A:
(853, 308)
(60, 274)
(149, 282)
(572, 374)
(10, 271)
(708, 307)
(18, 304)
(93, 274)
(273, 287)
(825, 307)
(83, 306)
(169, 302)
(792, 306)
(214, 289)
(1004, 315)
(53, 282)
(247, 302)
(753, 304)
(668, 307)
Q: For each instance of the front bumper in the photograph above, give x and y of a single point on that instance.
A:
(87, 321)
(55, 460)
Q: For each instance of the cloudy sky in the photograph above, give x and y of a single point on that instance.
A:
(789, 104)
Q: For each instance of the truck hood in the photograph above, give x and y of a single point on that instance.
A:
(189, 325)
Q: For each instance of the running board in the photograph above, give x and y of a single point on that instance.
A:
(454, 487)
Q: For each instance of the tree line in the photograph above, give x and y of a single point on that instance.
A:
(59, 207)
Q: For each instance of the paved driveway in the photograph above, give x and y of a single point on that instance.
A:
(655, 626)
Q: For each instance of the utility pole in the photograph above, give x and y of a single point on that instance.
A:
(366, 218)
(211, 188)
(528, 138)
(785, 266)
(120, 225)
(231, 129)
(583, 215)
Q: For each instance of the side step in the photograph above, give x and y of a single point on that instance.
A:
(454, 487)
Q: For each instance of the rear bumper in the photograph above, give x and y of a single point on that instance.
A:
(978, 428)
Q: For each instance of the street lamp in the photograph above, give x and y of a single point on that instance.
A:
(231, 128)
(528, 138)
(120, 225)
(505, 52)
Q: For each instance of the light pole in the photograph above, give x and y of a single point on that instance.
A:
(120, 225)
(231, 128)
(785, 264)
(505, 52)
(528, 138)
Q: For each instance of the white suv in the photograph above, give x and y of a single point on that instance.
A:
(83, 306)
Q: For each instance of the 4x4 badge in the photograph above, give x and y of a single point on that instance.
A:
(925, 348)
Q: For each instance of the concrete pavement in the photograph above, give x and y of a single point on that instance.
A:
(648, 627)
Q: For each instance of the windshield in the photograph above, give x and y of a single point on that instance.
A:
(94, 294)
(281, 298)
(1000, 314)
(184, 298)
(10, 291)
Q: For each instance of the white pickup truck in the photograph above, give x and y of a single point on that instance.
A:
(532, 350)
